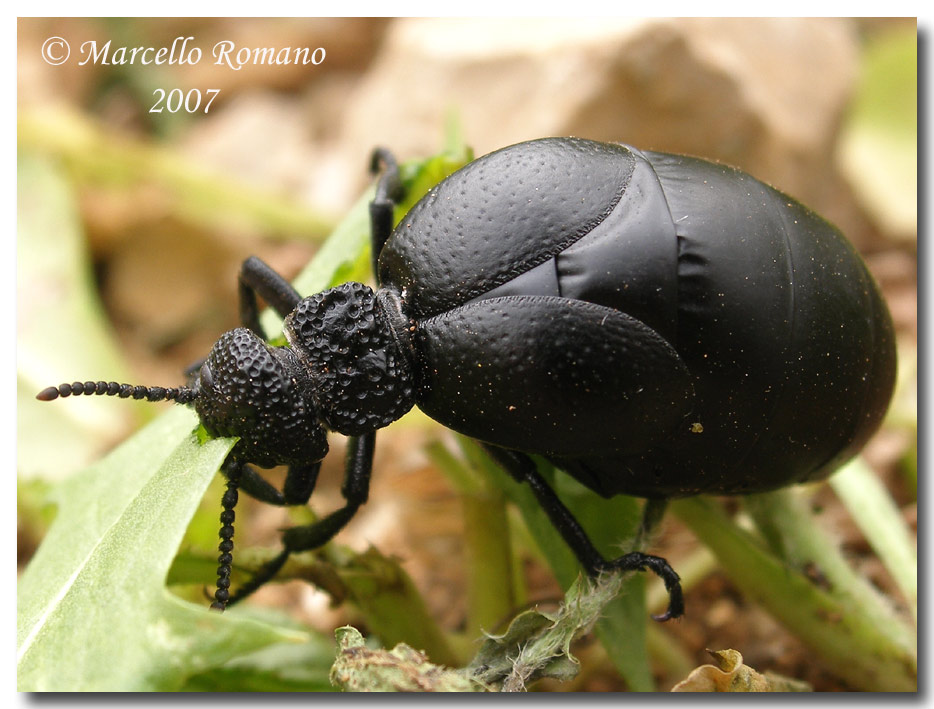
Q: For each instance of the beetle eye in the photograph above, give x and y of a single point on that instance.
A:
(207, 379)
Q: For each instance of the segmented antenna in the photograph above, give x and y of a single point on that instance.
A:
(228, 502)
(182, 395)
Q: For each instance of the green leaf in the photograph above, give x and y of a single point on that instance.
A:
(94, 613)
(283, 667)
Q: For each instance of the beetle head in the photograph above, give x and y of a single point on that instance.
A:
(244, 388)
(346, 369)
(260, 393)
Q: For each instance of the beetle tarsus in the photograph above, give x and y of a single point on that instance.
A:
(637, 561)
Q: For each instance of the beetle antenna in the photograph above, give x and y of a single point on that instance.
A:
(183, 395)
(225, 560)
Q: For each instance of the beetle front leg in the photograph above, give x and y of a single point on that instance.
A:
(523, 469)
(355, 490)
(258, 278)
(299, 484)
(389, 192)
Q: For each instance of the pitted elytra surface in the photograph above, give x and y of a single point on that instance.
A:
(500, 216)
(360, 381)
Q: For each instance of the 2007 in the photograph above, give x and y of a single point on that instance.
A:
(177, 100)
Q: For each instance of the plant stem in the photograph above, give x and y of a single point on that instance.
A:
(880, 521)
(491, 592)
(852, 641)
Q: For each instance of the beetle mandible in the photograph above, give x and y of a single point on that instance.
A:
(654, 325)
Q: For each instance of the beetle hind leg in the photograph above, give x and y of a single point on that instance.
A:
(523, 469)
(637, 561)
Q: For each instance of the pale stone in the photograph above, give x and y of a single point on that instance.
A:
(765, 95)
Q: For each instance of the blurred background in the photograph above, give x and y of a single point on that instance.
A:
(132, 223)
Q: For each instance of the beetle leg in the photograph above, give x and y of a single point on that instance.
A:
(299, 484)
(355, 490)
(389, 192)
(254, 484)
(652, 514)
(257, 278)
(523, 469)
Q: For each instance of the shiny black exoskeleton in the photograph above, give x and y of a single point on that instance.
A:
(653, 324)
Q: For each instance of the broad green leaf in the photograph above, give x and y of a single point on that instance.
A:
(93, 610)
(283, 667)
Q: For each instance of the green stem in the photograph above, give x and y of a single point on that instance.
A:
(851, 641)
(491, 592)
(880, 521)
(785, 519)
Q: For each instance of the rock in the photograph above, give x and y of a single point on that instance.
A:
(765, 95)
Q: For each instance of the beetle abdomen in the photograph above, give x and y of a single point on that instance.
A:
(782, 326)
(788, 344)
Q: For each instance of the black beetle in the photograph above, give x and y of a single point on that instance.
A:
(653, 324)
